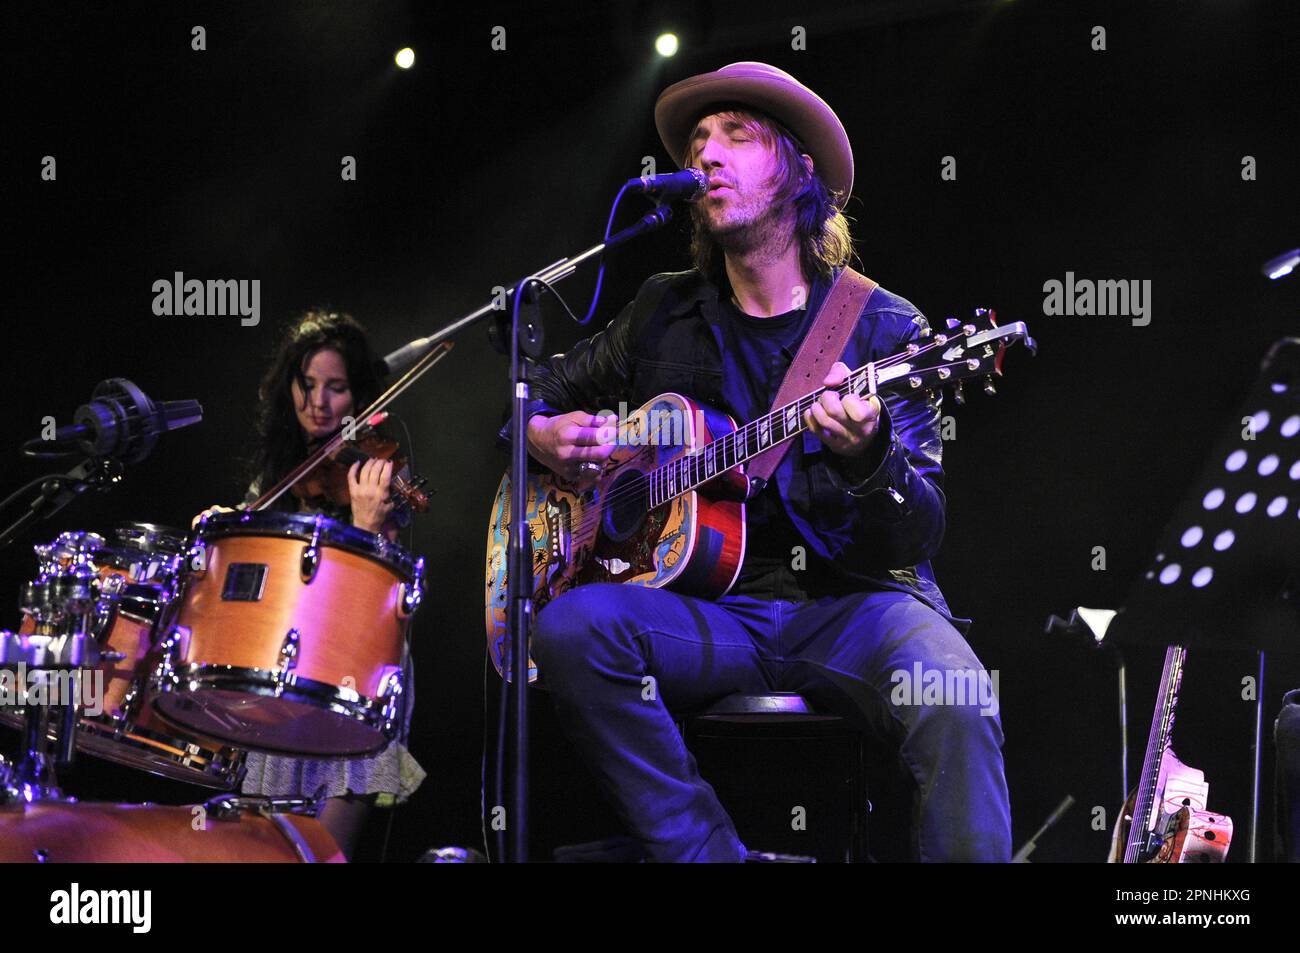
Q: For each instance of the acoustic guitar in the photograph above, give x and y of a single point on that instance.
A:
(668, 507)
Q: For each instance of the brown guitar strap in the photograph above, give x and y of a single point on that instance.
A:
(822, 346)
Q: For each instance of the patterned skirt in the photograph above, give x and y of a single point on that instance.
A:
(393, 774)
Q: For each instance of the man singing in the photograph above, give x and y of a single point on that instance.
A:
(835, 594)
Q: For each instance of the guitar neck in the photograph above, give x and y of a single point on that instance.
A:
(691, 471)
(1162, 723)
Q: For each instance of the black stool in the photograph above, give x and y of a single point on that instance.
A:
(788, 717)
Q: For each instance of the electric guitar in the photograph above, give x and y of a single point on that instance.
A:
(668, 507)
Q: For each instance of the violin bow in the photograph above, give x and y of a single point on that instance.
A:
(373, 416)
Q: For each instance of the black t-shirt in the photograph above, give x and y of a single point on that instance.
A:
(758, 354)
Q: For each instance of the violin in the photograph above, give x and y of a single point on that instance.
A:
(329, 479)
(324, 474)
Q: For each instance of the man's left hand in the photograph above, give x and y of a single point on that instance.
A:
(846, 425)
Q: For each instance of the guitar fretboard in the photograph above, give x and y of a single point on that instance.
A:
(1162, 725)
(964, 353)
(692, 470)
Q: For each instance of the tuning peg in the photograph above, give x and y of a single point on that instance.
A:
(958, 396)
(953, 324)
(989, 388)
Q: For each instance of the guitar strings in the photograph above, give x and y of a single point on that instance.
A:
(582, 516)
(579, 513)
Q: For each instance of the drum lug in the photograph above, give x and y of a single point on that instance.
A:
(196, 557)
(411, 594)
(173, 649)
(127, 709)
(310, 561)
(391, 688)
(288, 660)
(231, 806)
(110, 591)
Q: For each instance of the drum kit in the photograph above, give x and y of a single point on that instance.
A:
(177, 654)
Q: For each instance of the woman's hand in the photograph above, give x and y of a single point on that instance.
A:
(210, 511)
(369, 487)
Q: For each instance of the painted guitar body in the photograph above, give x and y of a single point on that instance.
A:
(693, 543)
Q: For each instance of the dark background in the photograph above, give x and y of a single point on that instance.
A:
(477, 166)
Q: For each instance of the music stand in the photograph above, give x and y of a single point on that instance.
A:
(1227, 570)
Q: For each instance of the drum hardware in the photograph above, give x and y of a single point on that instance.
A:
(288, 660)
(170, 649)
(391, 694)
(245, 582)
(226, 807)
(232, 807)
(76, 650)
(106, 608)
(135, 585)
(411, 595)
(32, 776)
(150, 538)
(310, 561)
(196, 557)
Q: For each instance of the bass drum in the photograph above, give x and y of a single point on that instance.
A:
(85, 833)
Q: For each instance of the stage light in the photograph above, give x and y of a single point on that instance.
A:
(666, 44)
(405, 58)
(1282, 265)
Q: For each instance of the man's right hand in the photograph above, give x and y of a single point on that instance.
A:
(562, 443)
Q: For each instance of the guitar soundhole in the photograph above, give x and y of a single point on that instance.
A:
(624, 509)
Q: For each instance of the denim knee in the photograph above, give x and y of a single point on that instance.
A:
(578, 627)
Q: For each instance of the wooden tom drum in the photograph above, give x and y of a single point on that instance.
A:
(288, 635)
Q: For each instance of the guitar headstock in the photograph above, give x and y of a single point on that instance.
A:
(963, 351)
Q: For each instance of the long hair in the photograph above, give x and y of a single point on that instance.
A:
(821, 229)
(281, 444)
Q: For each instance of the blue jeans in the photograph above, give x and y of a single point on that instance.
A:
(619, 659)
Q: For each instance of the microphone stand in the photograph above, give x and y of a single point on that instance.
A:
(59, 489)
(524, 341)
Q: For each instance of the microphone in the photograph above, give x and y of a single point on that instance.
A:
(688, 185)
(399, 361)
(121, 422)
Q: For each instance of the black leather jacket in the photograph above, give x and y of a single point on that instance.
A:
(877, 521)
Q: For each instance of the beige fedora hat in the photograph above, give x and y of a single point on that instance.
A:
(768, 90)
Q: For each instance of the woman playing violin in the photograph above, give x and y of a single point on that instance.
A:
(324, 372)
